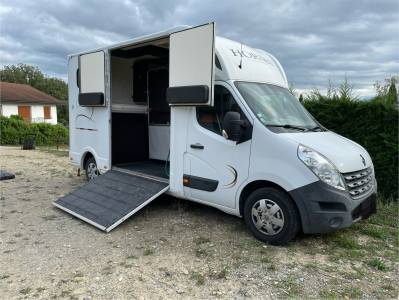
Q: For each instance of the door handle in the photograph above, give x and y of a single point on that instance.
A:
(197, 146)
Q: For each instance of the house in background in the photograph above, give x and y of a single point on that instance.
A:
(29, 103)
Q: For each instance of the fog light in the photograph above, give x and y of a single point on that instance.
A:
(335, 222)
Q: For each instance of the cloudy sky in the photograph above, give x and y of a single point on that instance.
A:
(314, 40)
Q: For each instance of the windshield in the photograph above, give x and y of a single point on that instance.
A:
(275, 106)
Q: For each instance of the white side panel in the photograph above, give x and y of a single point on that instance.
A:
(92, 73)
(178, 135)
(9, 110)
(191, 58)
(159, 142)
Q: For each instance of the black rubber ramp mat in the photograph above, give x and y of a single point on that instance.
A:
(110, 199)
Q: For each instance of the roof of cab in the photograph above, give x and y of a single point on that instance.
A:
(244, 63)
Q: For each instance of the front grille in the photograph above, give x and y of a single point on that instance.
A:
(359, 183)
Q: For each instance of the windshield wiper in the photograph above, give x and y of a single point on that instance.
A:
(316, 128)
(289, 126)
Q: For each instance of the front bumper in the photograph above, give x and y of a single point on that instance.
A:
(324, 209)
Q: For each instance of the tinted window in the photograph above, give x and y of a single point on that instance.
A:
(211, 118)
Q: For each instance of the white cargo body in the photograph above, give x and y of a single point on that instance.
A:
(210, 120)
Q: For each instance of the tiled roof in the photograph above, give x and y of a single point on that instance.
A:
(23, 93)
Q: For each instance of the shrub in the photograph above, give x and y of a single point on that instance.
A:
(13, 131)
(371, 124)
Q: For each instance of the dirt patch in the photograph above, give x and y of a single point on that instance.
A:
(171, 249)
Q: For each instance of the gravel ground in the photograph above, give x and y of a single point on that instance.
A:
(171, 249)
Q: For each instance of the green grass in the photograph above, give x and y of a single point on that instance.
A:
(222, 274)
(344, 240)
(198, 278)
(311, 266)
(25, 291)
(201, 252)
(352, 292)
(268, 262)
(387, 213)
(290, 286)
(327, 293)
(148, 252)
(377, 263)
(62, 152)
(374, 231)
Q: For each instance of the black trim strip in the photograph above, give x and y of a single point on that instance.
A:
(91, 99)
(197, 146)
(200, 183)
(189, 95)
(90, 129)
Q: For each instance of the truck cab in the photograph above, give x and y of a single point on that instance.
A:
(221, 128)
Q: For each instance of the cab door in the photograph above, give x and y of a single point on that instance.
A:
(215, 166)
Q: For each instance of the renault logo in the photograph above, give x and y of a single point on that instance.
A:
(363, 160)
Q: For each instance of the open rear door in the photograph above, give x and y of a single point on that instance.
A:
(92, 79)
(191, 66)
(108, 200)
(89, 111)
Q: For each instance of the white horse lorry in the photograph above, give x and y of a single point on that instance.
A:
(210, 120)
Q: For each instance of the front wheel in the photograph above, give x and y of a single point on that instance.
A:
(271, 216)
(91, 169)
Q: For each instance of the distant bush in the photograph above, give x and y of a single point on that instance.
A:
(372, 124)
(14, 130)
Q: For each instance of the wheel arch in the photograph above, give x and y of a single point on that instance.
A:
(257, 184)
(85, 157)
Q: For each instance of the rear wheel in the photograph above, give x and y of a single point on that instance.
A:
(91, 169)
(271, 216)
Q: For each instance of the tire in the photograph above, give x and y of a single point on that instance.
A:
(271, 216)
(91, 169)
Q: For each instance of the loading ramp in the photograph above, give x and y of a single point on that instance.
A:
(108, 200)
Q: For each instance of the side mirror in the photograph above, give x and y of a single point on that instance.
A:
(232, 126)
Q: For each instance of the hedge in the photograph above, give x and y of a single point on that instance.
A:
(372, 125)
(14, 130)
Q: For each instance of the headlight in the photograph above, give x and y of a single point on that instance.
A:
(321, 166)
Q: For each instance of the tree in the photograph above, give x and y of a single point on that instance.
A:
(345, 91)
(387, 93)
(392, 96)
(32, 75)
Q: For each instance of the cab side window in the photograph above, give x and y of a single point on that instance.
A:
(211, 118)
